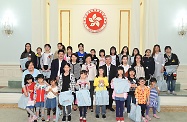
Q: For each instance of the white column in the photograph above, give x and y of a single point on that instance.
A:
(38, 23)
(53, 24)
(151, 23)
(135, 24)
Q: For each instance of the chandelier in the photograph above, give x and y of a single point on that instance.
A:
(7, 27)
(182, 29)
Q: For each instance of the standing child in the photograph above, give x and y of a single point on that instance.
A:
(101, 57)
(95, 60)
(67, 83)
(149, 65)
(115, 58)
(83, 83)
(134, 53)
(153, 103)
(40, 95)
(142, 93)
(29, 86)
(133, 82)
(100, 83)
(38, 58)
(139, 66)
(121, 87)
(91, 69)
(69, 53)
(124, 64)
(75, 69)
(52, 92)
(81, 54)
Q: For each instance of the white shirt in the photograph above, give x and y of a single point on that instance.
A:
(101, 61)
(50, 95)
(46, 55)
(126, 68)
(108, 70)
(113, 60)
(59, 66)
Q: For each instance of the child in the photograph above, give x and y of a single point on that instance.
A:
(125, 51)
(67, 83)
(81, 54)
(121, 87)
(115, 58)
(40, 95)
(139, 66)
(154, 91)
(95, 60)
(46, 61)
(52, 92)
(38, 58)
(142, 93)
(29, 86)
(91, 69)
(149, 65)
(100, 83)
(75, 69)
(101, 57)
(83, 83)
(134, 53)
(69, 53)
(124, 64)
(133, 82)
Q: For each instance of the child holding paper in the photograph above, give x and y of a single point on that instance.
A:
(121, 87)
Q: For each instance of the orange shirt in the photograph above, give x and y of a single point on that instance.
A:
(142, 95)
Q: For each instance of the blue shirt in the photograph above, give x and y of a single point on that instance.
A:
(81, 56)
(35, 74)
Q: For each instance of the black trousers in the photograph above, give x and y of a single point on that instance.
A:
(110, 91)
(49, 110)
(143, 108)
(91, 93)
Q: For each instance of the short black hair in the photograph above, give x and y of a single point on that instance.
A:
(88, 55)
(101, 51)
(101, 67)
(70, 47)
(60, 51)
(47, 45)
(84, 72)
(67, 64)
(80, 44)
(52, 79)
(40, 76)
(59, 44)
(28, 77)
(120, 68)
(39, 48)
(92, 50)
(141, 78)
(167, 47)
(28, 63)
(123, 57)
(153, 80)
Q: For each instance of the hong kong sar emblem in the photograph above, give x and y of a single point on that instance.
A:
(95, 20)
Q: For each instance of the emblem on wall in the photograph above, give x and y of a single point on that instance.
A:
(95, 20)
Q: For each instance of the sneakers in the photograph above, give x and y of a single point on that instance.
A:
(84, 120)
(97, 116)
(54, 118)
(34, 118)
(144, 119)
(81, 119)
(104, 116)
(155, 116)
(30, 119)
(148, 118)
(128, 114)
(64, 119)
(122, 119)
(43, 120)
(174, 93)
(69, 118)
(48, 119)
(168, 92)
(91, 110)
(117, 119)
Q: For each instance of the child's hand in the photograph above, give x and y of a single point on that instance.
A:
(101, 81)
(147, 102)
(30, 91)
(34, 102)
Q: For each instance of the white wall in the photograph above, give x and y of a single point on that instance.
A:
(168, 15)
(12, 47)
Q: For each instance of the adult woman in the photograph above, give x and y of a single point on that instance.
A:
(125, 51)
(60, 46)
(134, 53)
(159, 62)
(29, 70)
(28, 53)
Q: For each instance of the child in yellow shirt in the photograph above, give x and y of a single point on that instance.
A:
(100, 83)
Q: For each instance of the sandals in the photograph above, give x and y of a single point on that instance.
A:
(148, 118)
(155, 116)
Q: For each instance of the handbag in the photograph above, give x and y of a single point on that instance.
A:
(158, 106)
(22, 103)
(135, 113)
(162, 84)
(102, 97)
(83, 97)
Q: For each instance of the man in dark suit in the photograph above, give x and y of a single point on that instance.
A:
(110, 71)
(57, 65)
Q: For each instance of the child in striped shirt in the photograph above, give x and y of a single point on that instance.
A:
(153, 103)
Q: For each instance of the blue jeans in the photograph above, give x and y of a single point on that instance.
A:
(170, 83)
(129, 97)
(103, 109)
(119, 107)
(83, 110)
